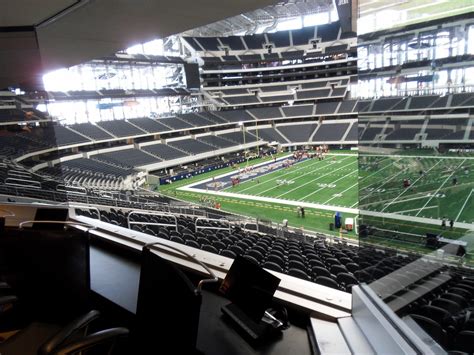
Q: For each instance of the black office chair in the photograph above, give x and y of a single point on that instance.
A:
(49, 339)
(168, 305)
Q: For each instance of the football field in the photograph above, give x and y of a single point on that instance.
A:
(439, 187)
(331, 181)
(323, 187)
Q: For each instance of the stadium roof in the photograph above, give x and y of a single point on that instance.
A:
(267, 17)
(39, 36)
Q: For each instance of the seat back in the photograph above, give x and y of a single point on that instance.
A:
(168, 308)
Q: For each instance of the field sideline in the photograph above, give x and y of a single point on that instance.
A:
(345, 182)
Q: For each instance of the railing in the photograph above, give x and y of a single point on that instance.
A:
(19, 182)
(71, 189)
(129, 223)
(441, 90)
(86, 208)
(197, 227)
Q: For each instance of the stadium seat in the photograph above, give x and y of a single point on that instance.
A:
(448, 305)
(236, 249)
(277, 260)
(299, 273)
(439, 315)
(228, 253)
(177, 240)
(219, 245)
(318, 263)
(464, 341)
(255, 254)
(346, 281)
(252, 259)
(336, 269)
(210, 248)
(352, 267)
(191, 243)
(319, 271)
(295, 264)
(272, 266)
(460, 300)
(186, 236)
(326, 281)
(260, 249)
(432, 328)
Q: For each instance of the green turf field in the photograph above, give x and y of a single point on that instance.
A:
(371, 183)
(331, 181)
(432, 192)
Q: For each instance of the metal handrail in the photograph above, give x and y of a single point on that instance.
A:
(160, 214)
(32, 183)
(213, 278)
(66, 223)
(85, 207)
(196, 227)
(12, 214)
(64, 188)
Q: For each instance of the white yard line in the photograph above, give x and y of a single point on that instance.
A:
(464, 205)
(414, 156)
(403, 201)
(384, 183)
(416, 209)
(332, 198)
(233, 172)
(315, 179)
(407, 218)
(439, 188)
(355, 204)
(299, 177)
(408, 188)
(322, 188)
(280, 176)
(290, 172)
(272, 200)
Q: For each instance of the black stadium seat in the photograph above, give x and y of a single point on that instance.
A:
(464, 341)
(210, 248)
(432, 328)
(228, 253)
(326, 281)
(299, 273)
(272, 266)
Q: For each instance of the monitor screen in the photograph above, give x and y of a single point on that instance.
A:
(250, 287)
(191, 72)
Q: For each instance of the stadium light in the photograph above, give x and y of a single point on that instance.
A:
(241, 124)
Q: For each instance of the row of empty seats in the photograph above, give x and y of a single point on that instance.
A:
(415, 130)
(281, 39)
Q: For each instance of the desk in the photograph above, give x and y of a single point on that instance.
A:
(116, 278)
